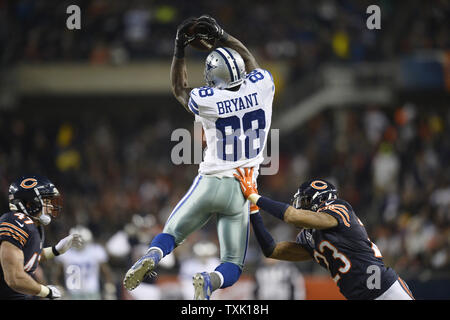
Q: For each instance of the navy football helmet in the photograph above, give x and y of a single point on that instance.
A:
(312, 193)
(32, 194)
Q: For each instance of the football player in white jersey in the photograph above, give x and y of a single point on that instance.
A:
(235, 109)
(85, 269)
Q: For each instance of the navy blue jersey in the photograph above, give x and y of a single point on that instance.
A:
(347, 252)
(21, 231)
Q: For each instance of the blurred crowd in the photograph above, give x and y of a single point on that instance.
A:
(305, 32)
(391, 164)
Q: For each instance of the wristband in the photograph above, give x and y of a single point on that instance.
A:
(55, 252)
(275, 208)
(224, 37)
(179, 52)
(45, 291)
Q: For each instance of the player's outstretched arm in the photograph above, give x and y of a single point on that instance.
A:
(283, 211)
(290, 251)
(309, 219)
(178, 71)
(228, 40)
(72, 240)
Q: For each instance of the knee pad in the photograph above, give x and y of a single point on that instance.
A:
(230, 273)
(164, 241)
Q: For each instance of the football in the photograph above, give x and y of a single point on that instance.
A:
(201, 43)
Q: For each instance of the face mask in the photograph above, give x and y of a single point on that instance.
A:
(45, 219)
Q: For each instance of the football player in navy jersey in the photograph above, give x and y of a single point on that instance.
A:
(33, 201)
(332, 235)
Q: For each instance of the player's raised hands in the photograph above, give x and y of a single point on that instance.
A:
(182, 38)
(208, 27)
(245, 178)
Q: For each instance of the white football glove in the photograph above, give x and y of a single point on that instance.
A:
(54, 294)
(73, 240)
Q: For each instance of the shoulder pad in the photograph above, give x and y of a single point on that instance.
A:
(340, 209)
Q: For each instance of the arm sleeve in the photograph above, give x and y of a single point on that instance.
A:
(275, 208)
(263, 236)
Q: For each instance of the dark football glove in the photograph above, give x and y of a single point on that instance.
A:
(207, 27)
(182, 39)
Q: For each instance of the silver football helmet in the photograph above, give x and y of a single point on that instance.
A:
(224, 68)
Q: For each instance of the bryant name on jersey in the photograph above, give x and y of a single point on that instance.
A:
(236, 104)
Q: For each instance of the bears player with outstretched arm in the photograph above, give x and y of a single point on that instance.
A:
(333, 236)
(33, 201)
(235, 109)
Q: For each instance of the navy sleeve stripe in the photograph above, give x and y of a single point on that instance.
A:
(194, 104)
(192, 108)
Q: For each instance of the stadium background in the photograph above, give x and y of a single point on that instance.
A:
(366, 109)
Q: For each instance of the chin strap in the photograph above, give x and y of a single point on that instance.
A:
(45, 219)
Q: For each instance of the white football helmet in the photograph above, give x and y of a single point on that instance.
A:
(224, 68)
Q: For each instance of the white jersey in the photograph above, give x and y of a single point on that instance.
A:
(236, 123)
(82, 268)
